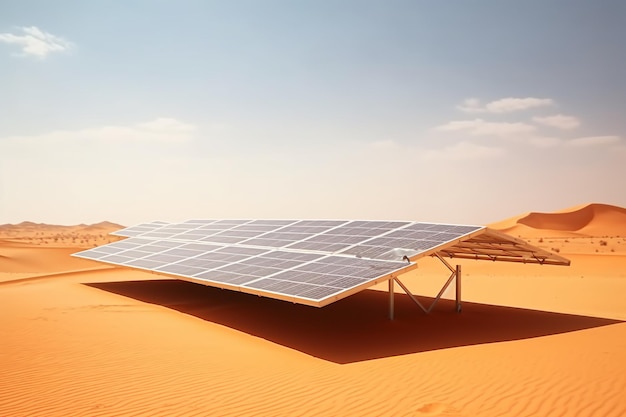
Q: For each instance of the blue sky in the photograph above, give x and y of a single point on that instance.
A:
(459, 112)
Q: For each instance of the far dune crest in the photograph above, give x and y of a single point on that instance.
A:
(38, 234)
(587, 220)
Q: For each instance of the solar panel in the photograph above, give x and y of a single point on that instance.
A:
(307, 261)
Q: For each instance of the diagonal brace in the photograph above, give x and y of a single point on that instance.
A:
(437, 298)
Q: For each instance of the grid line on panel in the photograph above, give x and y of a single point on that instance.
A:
(294, 232)
(346, 235)
(138, 229)
(197, 230)
(409, 241)
(251, 268)
(210, 259)
(146, 253)
(335, 272)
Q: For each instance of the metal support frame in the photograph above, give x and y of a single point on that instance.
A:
(391, 298)
(458, 289)
(455, 274)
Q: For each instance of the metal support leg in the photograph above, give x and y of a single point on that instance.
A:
(391, 299)
(458, 289)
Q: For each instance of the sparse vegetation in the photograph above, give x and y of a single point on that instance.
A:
(556, 250)
(603, 243)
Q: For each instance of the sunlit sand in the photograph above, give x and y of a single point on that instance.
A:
(83, 338)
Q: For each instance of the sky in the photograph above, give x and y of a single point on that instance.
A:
(454, 112)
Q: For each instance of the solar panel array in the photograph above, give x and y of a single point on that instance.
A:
(308, 260)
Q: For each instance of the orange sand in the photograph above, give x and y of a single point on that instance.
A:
(78, 338)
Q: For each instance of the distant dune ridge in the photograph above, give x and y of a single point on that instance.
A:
(593, 219)
(81, 236)
(31, 226)
(586, 220)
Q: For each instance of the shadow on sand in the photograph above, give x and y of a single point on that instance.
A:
(356, 328)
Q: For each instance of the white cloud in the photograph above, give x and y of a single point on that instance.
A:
(582, 142)
(166, 124)
(545, 142)
(558, 121)
(471, 105)
(161, 130)
(593, 141)
(480, 127)
(504, 105)
(35, 42)
(464, 151)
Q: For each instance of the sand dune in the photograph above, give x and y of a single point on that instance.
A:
(589, 220)
(587, 229)
(83, 339)
(40, 260)
(82, 235)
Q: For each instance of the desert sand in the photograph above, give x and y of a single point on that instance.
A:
(79, 338)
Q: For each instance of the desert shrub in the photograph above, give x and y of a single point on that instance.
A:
(603, 243)
(540, 240)
(556, 250)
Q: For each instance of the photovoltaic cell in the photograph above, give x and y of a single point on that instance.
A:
(164, 259)
(200, 221)
(108, 249)
(138, 229)
(116, 259)
(92, 254)
(253, 227)
(272, 222)
(144, 263)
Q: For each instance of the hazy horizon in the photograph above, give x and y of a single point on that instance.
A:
(425, 111)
